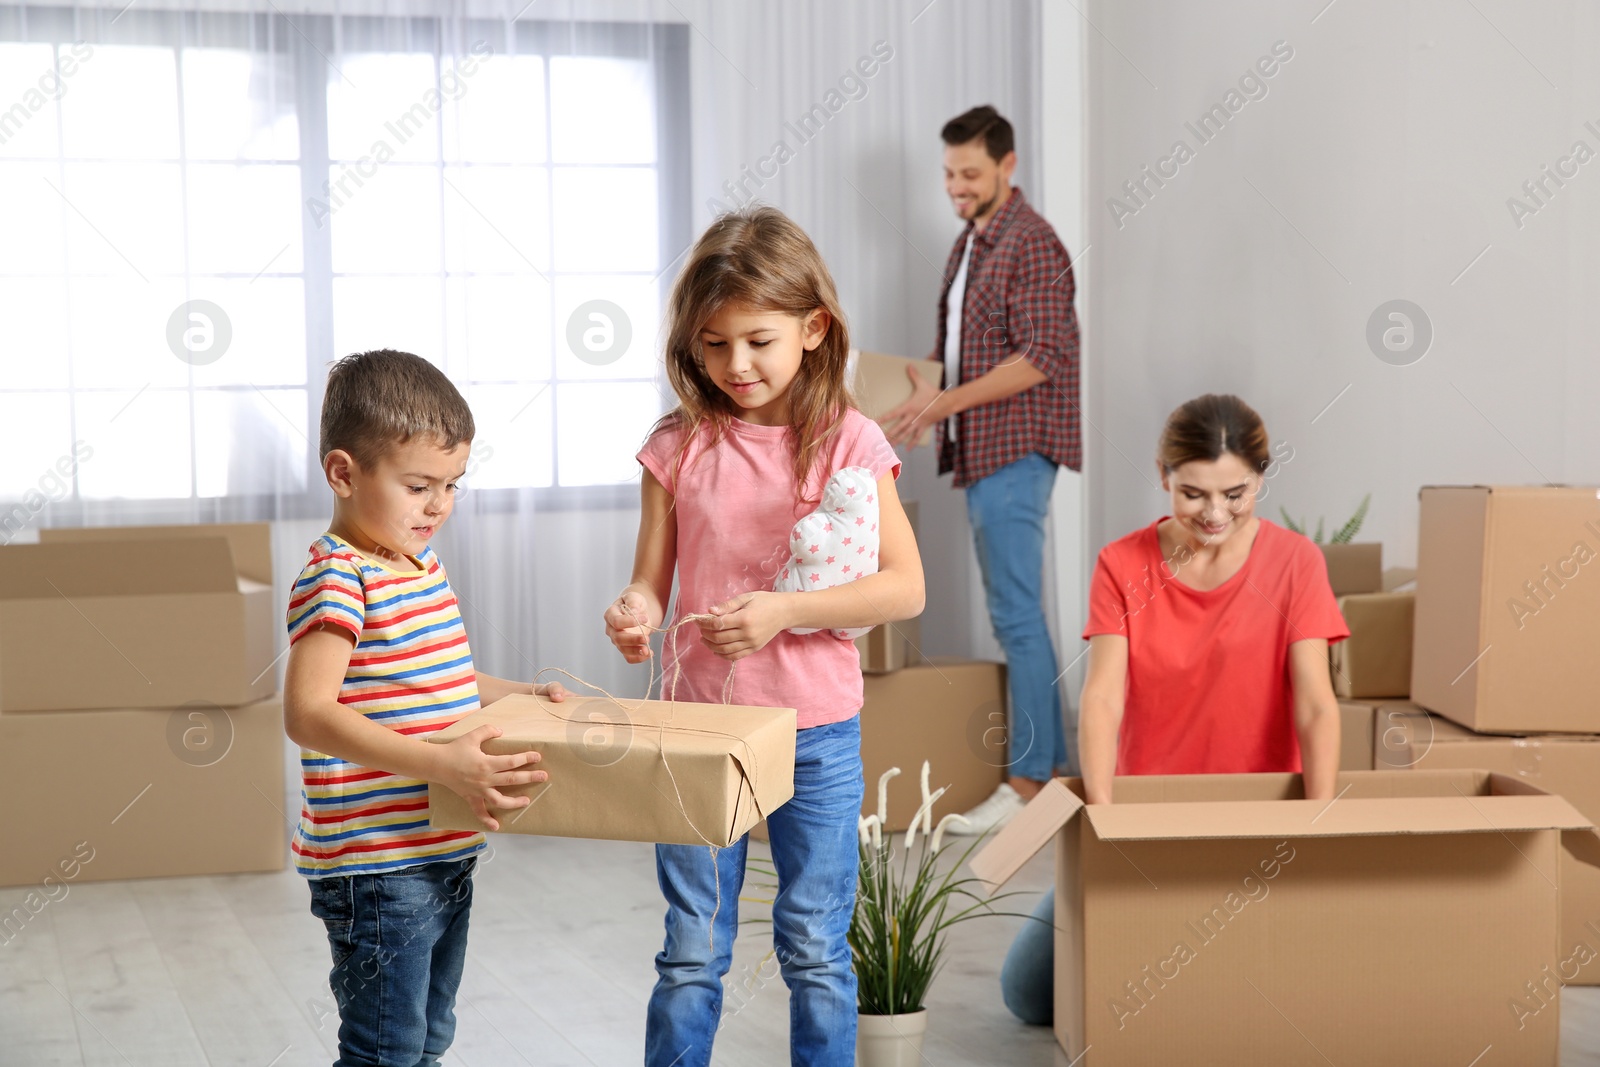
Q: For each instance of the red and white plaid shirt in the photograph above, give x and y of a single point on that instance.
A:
(1018, 303)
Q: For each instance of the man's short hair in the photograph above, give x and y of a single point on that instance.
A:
(984, 122)
(378, 400)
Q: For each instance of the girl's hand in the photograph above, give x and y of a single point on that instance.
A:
(625, 626)
(745, 624)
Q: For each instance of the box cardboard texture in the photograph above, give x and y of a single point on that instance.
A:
(1221, 919)
(1506, 608)
(136, 622)
(1375, 660)
(725, 767)
(880, 384)
(891, 646)
(1354, 568)
(142, 794)
(1356, 736)
(1564, 765)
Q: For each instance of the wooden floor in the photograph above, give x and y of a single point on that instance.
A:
(233, 971)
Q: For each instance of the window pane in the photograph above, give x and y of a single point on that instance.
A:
(29, 87)
(239, 105)
(267, 328)
(602, 110)
(499, 328)
(599, 429)
(140, 441)
(389, 224)
(634, 317)
(123, 105)
(497, 219)
(497, 116)
(244, 219)
(35, 218)
(403, 313)
(119, 334)
(605, 219)
(35, 315)
(250, 442)
(512, 449)
(388, 106)
(38, 437)
(128, 218)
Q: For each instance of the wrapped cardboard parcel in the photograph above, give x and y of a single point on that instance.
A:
(652, 770)
(146, 618)
(1221, 919)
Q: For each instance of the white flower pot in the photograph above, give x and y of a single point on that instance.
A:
(890, 1040)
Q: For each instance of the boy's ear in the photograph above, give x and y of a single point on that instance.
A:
(338, 466)
(815, 328)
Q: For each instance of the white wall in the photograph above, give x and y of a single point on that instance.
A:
(1378, 166)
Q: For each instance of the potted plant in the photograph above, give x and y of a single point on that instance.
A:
(1353, 567)
(903, 913)
(1342, 536)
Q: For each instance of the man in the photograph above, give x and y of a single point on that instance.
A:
(1008, 417)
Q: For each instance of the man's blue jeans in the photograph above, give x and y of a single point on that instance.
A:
(399, 941)
(1007, 512)
(814, 850)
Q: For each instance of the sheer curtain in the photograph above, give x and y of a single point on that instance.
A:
(207, 202)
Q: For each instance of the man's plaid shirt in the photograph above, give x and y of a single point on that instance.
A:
(1018, 304)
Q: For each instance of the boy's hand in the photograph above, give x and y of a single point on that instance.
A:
(478, 777)
(625, 626)
(554, 692)
(744, 624)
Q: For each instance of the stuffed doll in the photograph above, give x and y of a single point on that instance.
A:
(837, 543)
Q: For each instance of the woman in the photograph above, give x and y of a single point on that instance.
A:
(1208, 646)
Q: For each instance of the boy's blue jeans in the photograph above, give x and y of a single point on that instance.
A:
(814, 850)
(1007, 512)
(399, 941)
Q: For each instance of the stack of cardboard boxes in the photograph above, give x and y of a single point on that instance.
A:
(1503, 676)
(1374, 663)
(139, 731)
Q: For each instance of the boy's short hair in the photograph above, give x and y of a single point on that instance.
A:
(380, 399)
(984, 122)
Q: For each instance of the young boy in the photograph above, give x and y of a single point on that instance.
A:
(378, 659)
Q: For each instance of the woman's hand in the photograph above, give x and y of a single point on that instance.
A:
(627, 625)
(746, 623)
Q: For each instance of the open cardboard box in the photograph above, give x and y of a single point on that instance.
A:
(636, 770)
(150, 617)
(880, 383)
(1224, 919)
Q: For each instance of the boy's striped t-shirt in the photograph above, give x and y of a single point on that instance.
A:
(410, 670)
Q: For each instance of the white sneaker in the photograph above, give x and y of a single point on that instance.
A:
(992, 814)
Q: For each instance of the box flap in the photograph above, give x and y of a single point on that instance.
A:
(121, 568)
(1027, 832)
(251, 541)
(1225, 820)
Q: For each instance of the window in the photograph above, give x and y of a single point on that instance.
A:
(205, 209)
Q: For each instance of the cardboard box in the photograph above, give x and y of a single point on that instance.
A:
(1507, 608)
(1356, 738)
(1354, 568)
(1220, 919)
(1375, 660)
(880, 383)
(140, 622)
(142, 793)
(639, 770)
(894, 645)
(1564, 765)
(251, 541)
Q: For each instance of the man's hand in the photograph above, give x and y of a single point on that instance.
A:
(744, 624)
(928, 405)
(478, 777)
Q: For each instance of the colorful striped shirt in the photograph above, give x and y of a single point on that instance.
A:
(411, 670)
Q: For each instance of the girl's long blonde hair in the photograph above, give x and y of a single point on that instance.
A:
(758, 257)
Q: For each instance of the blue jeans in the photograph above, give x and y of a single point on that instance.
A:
(398, 940)
(1028, 977)
(814, 850)
(1007, 511)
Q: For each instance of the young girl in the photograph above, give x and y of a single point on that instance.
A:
(756, 351)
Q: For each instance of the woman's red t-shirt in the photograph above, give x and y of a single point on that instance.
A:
(1208, 687)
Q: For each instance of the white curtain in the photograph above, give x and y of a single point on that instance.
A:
(202, 208)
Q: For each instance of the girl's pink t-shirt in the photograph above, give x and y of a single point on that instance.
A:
(735, 504)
